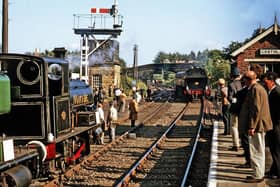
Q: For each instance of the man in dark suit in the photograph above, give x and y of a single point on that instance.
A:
(273, 136)
(259, 122)
(233, 87)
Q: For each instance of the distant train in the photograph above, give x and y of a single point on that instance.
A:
(48, 125)
(191, 84)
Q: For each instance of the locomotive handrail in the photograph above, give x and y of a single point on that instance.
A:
(42, 146)
(9, 164)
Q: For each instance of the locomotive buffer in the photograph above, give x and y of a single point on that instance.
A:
(96, 23)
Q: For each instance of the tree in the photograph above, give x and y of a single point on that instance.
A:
(217, 66)
(202, 57)
(161, 56)
(192, 56)
(231, 47)
(122, 63)
(176, 57)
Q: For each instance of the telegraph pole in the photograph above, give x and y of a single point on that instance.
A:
(5, 26)
(135, 63)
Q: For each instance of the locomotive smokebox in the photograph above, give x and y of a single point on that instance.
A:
(26, 76)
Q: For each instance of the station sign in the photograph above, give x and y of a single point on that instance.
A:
(269, 51)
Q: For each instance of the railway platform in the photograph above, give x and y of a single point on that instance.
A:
(224, 171)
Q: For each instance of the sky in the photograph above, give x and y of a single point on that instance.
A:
(153, 25)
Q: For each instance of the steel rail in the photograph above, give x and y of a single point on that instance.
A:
(56, 182)
(184, 180)
(125, 179)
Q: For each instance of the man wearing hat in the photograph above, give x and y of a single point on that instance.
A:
(225, 105)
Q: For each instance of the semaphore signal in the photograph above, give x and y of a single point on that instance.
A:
(100, 10)
(97, 26)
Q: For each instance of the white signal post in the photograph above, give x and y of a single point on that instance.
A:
(91, 30)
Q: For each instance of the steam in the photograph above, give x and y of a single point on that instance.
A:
(108, 53)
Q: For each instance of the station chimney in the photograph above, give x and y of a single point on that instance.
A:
(59, 52)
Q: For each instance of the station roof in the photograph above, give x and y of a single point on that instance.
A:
(273, 28)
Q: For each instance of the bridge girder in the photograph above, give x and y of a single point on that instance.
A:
(146, 72)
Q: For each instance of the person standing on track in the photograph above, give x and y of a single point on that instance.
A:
(102, 122)
(122, 102)
(111, 121)
(273, 137)
(133, 111)
(149, 94)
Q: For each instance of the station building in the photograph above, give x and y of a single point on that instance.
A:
(104, 66)
(263, 49)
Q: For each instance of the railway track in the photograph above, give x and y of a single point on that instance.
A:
(109, 164)
(113, 162)
(168, 161)
(100, 150)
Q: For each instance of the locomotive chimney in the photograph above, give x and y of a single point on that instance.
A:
(59, 52)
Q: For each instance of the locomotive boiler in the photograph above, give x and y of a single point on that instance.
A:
(40, 123)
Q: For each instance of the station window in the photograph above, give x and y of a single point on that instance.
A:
(96, 81)
(274, 67)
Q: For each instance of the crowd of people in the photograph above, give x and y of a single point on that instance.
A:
(250, 111)
(117, 106)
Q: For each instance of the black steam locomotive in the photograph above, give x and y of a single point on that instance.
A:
(45, 123)
(191, 84)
